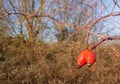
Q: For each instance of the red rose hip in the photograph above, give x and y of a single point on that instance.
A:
(86, 56)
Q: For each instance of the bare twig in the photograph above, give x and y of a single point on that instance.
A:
(91, 24)
(107, 38)
(49, 16)
(8, 14)
(116, 3)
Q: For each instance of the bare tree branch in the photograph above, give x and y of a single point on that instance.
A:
(107, 38)
(116, 3)
(91, 24)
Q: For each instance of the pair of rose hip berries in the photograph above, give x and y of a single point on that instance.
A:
(86, 57)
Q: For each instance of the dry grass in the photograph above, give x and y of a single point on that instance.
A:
(43, 63)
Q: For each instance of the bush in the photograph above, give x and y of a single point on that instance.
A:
(55, 63)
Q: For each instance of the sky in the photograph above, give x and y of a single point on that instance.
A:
(111, 24)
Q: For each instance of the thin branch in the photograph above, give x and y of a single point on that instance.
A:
(57, 21)
(91, 24)
(107, 38)
(8, 14)
(116, 3)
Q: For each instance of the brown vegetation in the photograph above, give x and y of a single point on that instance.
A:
(55, 63)
(41, 39)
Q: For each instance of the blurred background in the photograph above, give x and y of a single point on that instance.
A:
(41, 39)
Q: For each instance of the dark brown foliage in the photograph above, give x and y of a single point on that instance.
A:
(42, 63)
